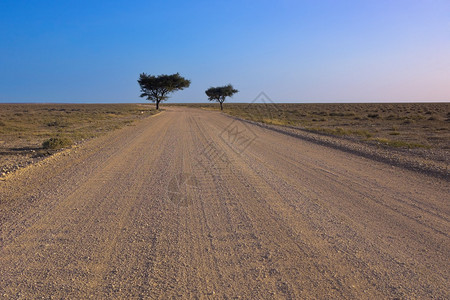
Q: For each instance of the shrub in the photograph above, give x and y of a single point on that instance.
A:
(336, 114)
(57, 143)
(399, 144)
(57, 123)
(363, 133)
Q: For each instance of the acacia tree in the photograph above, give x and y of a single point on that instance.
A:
(219, 94)
(158, 88)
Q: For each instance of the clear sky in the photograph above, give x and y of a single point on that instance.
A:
(294, 51)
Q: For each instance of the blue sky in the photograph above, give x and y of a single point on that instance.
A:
(294, 51)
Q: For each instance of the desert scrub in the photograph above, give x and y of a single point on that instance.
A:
(341, 131)
(417, 124)
(57, 123)
(278, 121)
(398, 144)
(55, 143)
(373, 116)
(27, 125)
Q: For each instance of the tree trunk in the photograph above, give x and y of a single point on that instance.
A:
(157, 105)
(221, 107)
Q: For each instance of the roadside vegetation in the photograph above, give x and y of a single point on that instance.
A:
(57, 143)
(28, 131)
(399, 125)
(32, 124)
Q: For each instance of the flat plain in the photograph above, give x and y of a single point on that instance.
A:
(192, 203)
(24, 127)
(401, 125)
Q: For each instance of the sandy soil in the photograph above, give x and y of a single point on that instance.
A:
(194, 204)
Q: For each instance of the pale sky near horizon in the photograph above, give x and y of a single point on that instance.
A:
(294, 51)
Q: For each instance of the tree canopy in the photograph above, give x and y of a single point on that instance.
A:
(219, 94)
(158, 88)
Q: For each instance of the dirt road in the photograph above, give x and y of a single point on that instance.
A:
(192, 204)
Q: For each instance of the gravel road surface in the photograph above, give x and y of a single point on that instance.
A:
(194, 204)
